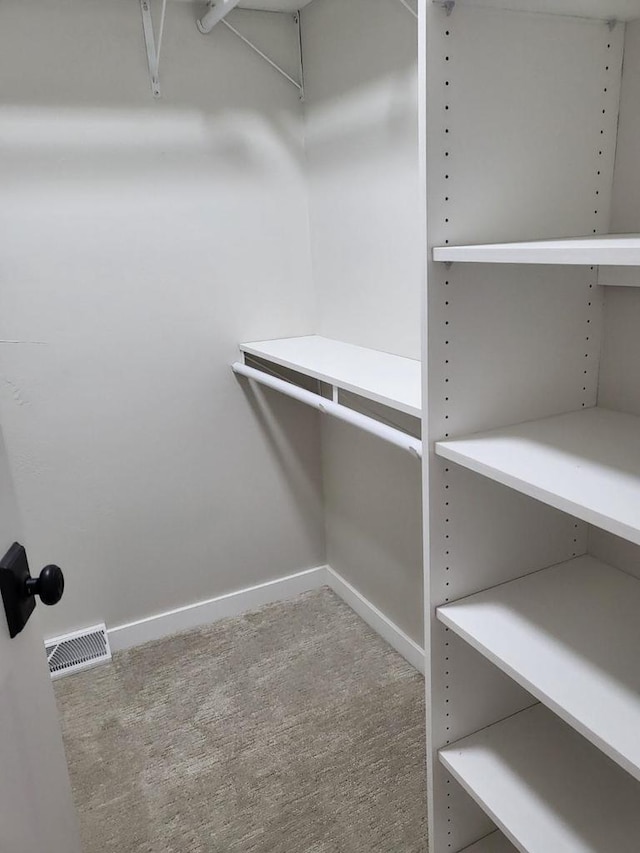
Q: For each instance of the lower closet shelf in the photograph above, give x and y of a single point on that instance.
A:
(570, 635)
(494, 843)
(546, 787)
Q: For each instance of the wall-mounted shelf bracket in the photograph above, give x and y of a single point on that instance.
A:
(153, 47)
(299, 85)
(447, 5)
(217, 14)
(409, 8)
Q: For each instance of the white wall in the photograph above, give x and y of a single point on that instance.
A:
(140, 240)
(620, 361)
(361, 122)
(361, 119)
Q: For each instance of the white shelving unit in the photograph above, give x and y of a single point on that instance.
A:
(546, 787)
(568, 634)
(388, 379)
(609, 250)
(533, 590)
(584, 463)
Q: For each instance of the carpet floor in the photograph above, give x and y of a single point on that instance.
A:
(293, 729)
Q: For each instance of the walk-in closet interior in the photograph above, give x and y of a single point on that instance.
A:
(331, 307)
(175, 203)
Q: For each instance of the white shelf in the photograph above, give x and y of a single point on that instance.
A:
(388, 379)
(547, 789)
(585, 463)
(494, 843)
(570, 635)
(619, 10)
(609, 250)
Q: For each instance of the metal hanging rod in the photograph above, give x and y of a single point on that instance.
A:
(217, 11)
(336, 410)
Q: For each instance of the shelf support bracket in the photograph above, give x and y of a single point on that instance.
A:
(297, 18)
(409, 8)
(222, 20)
(447, 5)
(153, 49)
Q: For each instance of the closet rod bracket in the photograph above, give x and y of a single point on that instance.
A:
(153, 48)
(297, 19)
(217, 14)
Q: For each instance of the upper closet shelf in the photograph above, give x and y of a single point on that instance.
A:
(546, 787)
(608, 250)
(388, 379)
(585, 463)
(605, 10)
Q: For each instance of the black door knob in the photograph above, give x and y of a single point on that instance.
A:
(49, 586)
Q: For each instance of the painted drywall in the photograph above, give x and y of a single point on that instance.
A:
(140, 241)
(619, 375)
(619, 385)
(362, 149)
(361, 124)
(625, 211)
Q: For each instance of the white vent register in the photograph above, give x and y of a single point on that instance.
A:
(77, 651)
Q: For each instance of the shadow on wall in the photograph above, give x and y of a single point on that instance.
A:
(141, 240)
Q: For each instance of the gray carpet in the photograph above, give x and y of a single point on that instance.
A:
(293, 729)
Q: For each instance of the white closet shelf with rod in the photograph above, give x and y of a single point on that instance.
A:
(546, 787)
(390, 380)
(569, 635)
(622, 250)
(585, 463)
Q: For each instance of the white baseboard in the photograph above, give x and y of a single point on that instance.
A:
(376, 619)
(206, 612)
(235, 603)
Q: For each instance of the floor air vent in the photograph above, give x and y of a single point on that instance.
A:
(80, 650)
